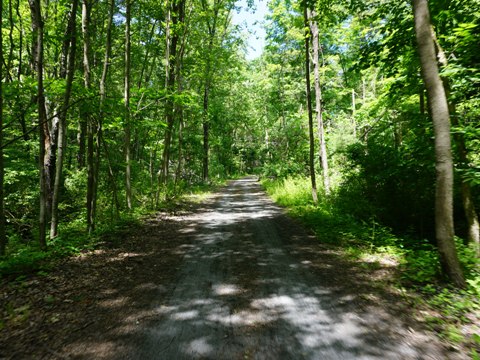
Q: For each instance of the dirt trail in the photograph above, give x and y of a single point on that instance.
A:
(237, 279)
(246, 291)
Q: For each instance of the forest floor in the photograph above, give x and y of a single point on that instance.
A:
(231, 278)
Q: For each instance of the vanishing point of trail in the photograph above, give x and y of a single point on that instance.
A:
(254, 284)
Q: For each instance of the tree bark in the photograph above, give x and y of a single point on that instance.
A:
(21, 117)
(95, 132)
(3, 238)
(322, 151)
(438, 106)
(212, 30)
(87, 120)
(469, 210)
(128, 169)
(206, 128)
(309, 107)
(84, 126)
(12, 43)
(69, 66)
(176, 14)
(179, 107)
(37, 52)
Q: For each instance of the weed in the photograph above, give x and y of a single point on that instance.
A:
(370, 243)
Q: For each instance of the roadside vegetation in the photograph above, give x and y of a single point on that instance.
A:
(25, 258)
(453, 313)
(114, 109)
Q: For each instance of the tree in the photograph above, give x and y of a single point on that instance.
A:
(473, 233)
(322, 150)
(439, 112)
(309, 105)
(127, 125)
(175, 17)
(3, 238)
(67, 72)
(38, 55)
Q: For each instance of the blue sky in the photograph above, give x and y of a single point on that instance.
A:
(251, 20)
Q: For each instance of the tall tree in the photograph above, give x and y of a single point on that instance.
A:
(86, 123)
(309, 105)
(322, 150)
(175, 16)
(94, 136)
(67, 72)
(38, 55)
(128, 160)
(473, 233)
(212, 19)
(3, 239)
(439, 112)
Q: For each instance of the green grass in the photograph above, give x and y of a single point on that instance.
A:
(24, 258)
(370, 242)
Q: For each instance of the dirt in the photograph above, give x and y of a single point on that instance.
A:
(235, 278)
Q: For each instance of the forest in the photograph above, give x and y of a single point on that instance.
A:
(360, 117)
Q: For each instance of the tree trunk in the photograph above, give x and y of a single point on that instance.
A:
(37, 51)
(86, 119)
(95, 132)
(128, 168)
(175, 15)
(212, 30)
(469, 210)
(21, 116)
(354, 111)
(205, 134)
(69, 73)
(438, 106)
(111, 175)
(322, 151)
(85, 133)
(178, 172)
(3, 238)
(309, 106)
(12, 43)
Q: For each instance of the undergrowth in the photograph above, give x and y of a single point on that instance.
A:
(25, 257)
(417, 259)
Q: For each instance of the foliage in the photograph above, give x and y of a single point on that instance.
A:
(23, 258)
(369, 243)
(195, 97)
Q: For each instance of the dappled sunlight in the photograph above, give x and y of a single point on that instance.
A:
(226, 289)
(125, 256)
(113, 303)
(252, 285)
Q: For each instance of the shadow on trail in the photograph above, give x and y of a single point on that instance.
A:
(250, 283)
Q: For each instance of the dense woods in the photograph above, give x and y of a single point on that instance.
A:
(112, 108)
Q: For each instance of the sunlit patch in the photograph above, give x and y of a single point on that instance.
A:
(251, 318)
(273, 302)
(151, 286)
(199, 347)
(188, 230)
(185, 315)
(125, 256)
(163, 309)
(113, 303)
(109, 291)
(202, 302)
(226, 289)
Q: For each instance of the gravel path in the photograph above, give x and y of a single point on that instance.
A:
(233, 278)
(253, 286)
